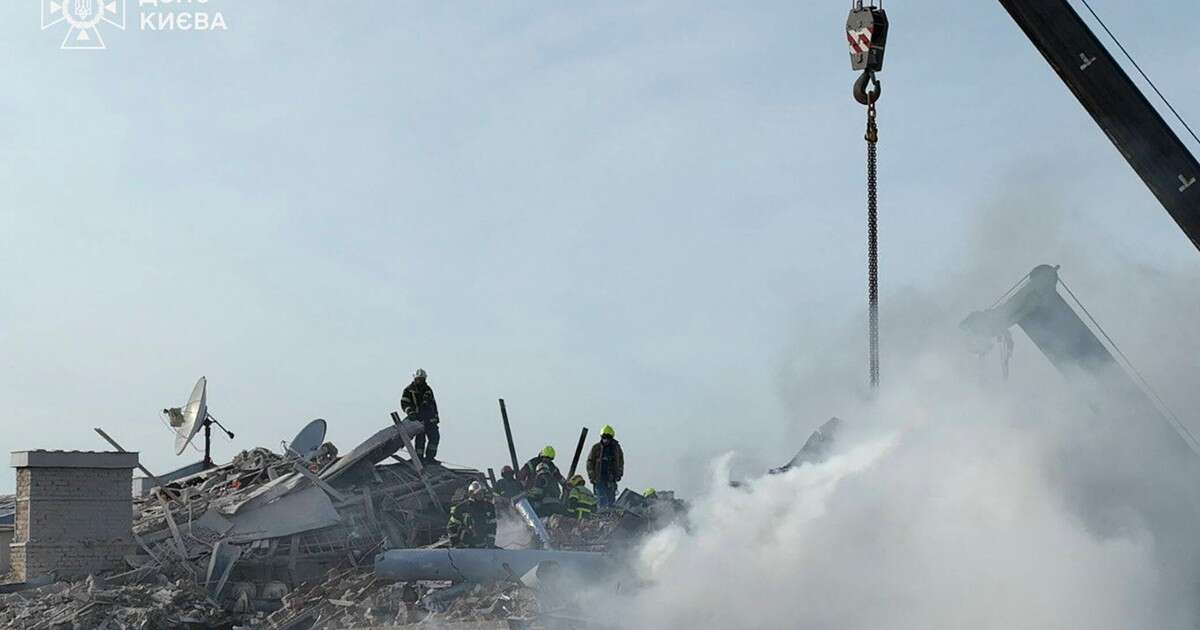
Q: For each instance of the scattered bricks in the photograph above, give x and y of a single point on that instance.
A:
(74, 512)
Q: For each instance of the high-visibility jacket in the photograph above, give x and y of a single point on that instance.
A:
(581, 502)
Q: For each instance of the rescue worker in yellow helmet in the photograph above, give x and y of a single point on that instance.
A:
(581, 503)
(529, 470)
(606, 466)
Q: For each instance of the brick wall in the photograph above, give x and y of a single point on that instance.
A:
(73, 521)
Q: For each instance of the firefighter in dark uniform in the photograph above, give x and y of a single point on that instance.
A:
(419, 405)
(529, 470)
(606, 466)
(547, 491)
(508, 486)
(473, 521)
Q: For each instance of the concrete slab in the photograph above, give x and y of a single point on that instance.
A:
(74, 459)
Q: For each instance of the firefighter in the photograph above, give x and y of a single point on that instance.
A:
(606, 466)
(545, 495)
(419, 405)
(581, 503)
(473, 521)
(529, 470)
(508, 486)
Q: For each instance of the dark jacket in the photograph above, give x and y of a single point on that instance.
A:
(546, 495)
(418, 402)
(529, 470)
(606, 463)
(508, 487)
(472, 524)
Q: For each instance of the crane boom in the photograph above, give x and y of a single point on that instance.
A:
(1073, 348)
(1136, 458)
(1105, 90)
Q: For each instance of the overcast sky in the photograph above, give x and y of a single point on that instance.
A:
(638, 214)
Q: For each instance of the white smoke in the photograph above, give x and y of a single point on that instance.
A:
(953, 500)
(941, 508)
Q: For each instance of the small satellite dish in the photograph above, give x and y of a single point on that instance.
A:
(309, 439)
(191, 416)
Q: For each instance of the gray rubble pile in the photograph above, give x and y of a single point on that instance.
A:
(236, 536)
(604, 531)
(266, 517)
(358, 599)
(291, 541)
(91, 604)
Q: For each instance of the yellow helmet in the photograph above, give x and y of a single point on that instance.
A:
(608, 430)
(649, 492)
(548, 452)
(577, 480)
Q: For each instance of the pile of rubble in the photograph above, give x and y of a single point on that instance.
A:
(358, 599)
(604, 531)
(92, 603)
(290, 541)
(266, 517)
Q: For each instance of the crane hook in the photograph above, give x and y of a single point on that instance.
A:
(862, 94)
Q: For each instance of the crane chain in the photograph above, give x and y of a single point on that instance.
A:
(872, 138)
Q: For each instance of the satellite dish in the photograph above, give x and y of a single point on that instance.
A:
(191, 416)
(309, 439)
(187, 420)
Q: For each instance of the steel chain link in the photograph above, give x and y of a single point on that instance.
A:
(872, 138)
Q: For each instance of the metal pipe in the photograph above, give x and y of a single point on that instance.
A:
(578, 452)
(512, 449)
(531, 518)
(122, 450)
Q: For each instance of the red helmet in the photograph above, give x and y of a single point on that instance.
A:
(507, 471)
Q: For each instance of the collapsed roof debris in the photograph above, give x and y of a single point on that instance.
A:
(8, 508)
(304, 539)
(815, 449)
(480, 565)
(92, 603)
(358, 598)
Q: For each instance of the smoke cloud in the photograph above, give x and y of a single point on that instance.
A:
(954, 499)
(946, 511)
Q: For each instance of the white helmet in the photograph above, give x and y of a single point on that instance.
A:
(475, 489)
(420, 374)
